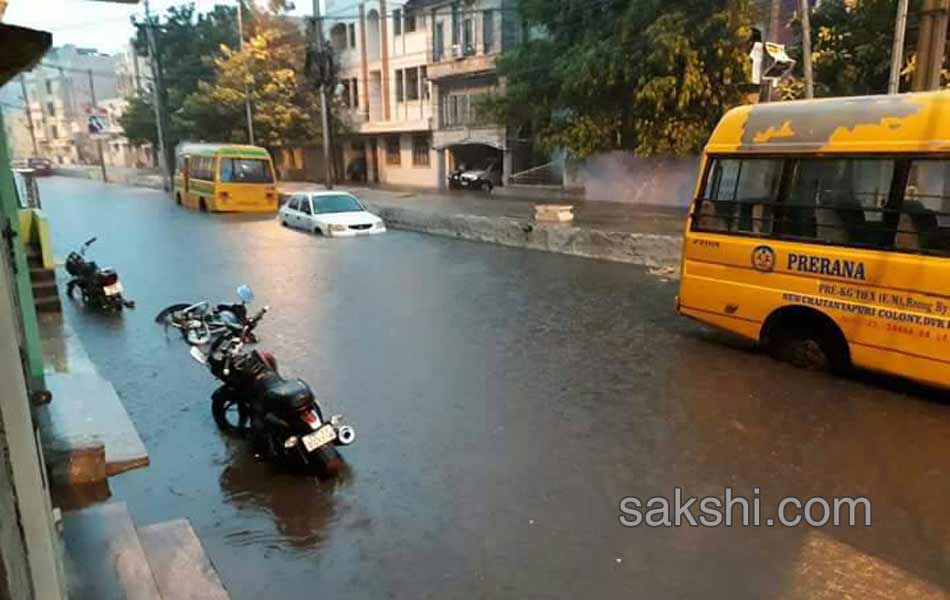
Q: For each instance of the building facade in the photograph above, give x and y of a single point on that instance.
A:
(60, 94)
(411, 73)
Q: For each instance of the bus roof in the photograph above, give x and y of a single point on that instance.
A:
(867, 124)
(202, 149)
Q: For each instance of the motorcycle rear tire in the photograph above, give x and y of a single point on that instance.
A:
(220, 403)
(329, 462)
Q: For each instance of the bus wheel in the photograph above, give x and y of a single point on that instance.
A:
(202, 205)
(806, 340)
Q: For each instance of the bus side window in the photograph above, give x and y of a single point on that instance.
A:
(840, 201)
(226, 169)
(924, 223)
(740, 195)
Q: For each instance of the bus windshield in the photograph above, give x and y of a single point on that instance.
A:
(245, 170)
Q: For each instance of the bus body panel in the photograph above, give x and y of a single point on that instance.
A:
(892, 304)
(224, 196)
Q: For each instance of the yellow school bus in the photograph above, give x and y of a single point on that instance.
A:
(225, 178)
(821, 230)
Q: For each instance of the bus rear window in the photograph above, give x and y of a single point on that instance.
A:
(740, 195)
(245, 170)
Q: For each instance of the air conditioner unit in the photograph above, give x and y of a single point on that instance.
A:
(458, 53)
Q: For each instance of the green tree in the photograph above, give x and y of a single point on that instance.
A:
(851, 47)
(649, 76)
(270, 70)
(187, 43)
(138, 122)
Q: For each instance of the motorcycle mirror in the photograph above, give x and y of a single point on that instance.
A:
(198, 355)
(245, 293)
(90, 241)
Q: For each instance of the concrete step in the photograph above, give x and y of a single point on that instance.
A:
(104, 556)
(86, 413)
(40, 274)
(179, 564)
(48, 304)
(44, 288)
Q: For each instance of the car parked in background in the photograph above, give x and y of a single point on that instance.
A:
(485, 177)
(42, 167)
(333, 214)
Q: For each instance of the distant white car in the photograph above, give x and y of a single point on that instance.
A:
(333, 214)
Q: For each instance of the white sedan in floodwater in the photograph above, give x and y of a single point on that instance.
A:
(333, 214)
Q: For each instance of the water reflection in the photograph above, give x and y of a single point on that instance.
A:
(301, 507)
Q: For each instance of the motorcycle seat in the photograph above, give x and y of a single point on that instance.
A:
(287, 395)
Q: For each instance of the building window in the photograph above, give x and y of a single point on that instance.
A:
(54, 132)
(455, 23)
(356, 92)
(412, 84)
(352, 31)
(397, 22)
(468, 37)
(420, 151)
(50, 109)
(488, 31)
(410, 22)
(400, 86)
(438, 41)
(49, 86)
(393, 151)
(347, 101)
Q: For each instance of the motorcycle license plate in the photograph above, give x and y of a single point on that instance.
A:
(113, 290)
(318, 438)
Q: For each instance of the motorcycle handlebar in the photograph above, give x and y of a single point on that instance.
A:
(90, 241)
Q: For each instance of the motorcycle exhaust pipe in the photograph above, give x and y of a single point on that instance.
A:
(345, 435)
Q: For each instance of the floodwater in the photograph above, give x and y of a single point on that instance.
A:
(505, 402)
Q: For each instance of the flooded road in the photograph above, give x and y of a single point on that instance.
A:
(505, 402)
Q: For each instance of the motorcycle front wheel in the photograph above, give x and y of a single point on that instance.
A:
(229, 414)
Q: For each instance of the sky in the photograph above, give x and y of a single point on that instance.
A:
(92, 24)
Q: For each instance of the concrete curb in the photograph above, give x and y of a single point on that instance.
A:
(142, 181)
(650, 250)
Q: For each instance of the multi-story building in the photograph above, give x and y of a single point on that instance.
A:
(60, 92)
(411, 73)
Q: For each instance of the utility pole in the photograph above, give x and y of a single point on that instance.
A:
(324, 101)
(931, 44)
(157, 101)
(29, 116)
(95, 108)
(897, 52)
(247, 94)
(806, 49)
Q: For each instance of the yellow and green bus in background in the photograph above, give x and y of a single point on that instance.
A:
(821, 229)
(225, 178)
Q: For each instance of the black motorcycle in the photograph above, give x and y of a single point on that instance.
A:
(281, 416)
(100, 287)
(200, 323)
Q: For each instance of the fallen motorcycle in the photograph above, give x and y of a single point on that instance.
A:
(100, 287)
(200, 323)
(280, 416)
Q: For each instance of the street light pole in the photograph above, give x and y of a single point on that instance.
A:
(29, 116)
(95, 108)
(324, 98)
(247, 95)
(806, 50)
(157, 101)
(897, 52)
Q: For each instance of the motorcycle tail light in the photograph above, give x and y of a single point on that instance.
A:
(309, 415)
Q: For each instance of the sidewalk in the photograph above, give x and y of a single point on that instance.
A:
(147, 178)
(637, 234)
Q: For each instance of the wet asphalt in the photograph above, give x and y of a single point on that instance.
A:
(505, 401)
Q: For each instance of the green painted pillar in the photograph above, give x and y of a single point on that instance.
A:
(32, 347)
